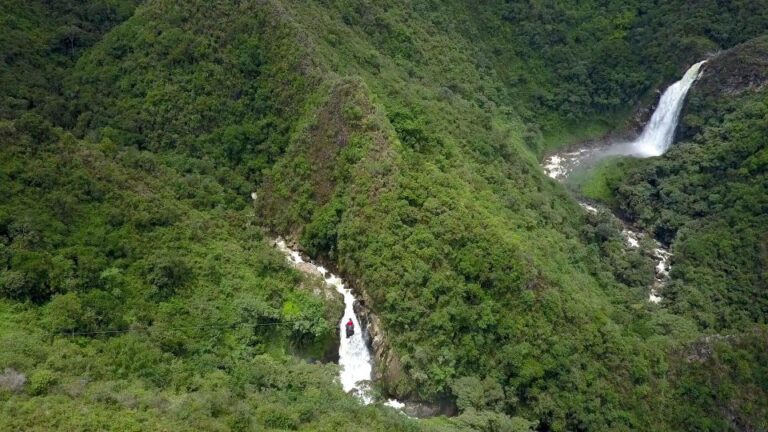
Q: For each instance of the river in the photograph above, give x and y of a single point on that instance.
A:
(655, 140)
(355, 354)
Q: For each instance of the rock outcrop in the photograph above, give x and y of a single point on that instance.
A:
(387, 368)
(728, 75)
(739, 69)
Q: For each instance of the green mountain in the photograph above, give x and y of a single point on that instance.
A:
(399, 143)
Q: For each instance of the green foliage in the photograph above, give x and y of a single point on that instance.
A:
(471, 393)
(41, 380)
(718, 374)
(707, 197)
(595, 184)
(401, 142)
(40, 42)
(476, 264)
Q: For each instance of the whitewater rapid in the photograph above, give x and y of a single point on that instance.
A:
(655, 140)
(354, 355)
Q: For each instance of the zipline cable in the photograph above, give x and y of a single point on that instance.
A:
(210, 326)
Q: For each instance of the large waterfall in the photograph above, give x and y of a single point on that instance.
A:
(655, 140)
(658, 134)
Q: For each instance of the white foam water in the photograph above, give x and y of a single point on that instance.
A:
(658, 134)
(354, 353)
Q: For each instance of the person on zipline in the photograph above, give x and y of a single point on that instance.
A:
(350, 328)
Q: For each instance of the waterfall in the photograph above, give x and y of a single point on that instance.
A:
(354, 355)
(655, 140)
(658, 134)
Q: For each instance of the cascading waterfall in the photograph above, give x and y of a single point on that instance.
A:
(658, 134)
(655, 140)
(354, 356)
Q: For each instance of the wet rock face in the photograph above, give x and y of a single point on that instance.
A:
(387, 369)
(386, 364)
(640, 117)
(362, 315)
(424, 410)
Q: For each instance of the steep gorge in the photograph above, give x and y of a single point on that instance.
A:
(401, 143)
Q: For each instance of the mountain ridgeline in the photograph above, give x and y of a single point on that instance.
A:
(399, 144)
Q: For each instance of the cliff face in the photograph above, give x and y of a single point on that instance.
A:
(742, 68)
(731, 74)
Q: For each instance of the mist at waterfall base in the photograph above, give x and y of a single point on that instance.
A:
(658, 134)
(655, 139)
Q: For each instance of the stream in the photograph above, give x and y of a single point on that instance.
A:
(656, 138)
(354, 352)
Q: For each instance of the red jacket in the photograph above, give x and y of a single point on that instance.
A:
(350, 323)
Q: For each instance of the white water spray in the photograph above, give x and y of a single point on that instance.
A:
(658, 134)
(354, 356)
(655, 139)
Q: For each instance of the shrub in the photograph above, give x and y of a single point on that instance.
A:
(41, 381)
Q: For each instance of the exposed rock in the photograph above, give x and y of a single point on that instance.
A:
(423, 410)
(387, 368)
(739, 69)
(640, 117)
(318, 286)
(701, 350)
(12, 380)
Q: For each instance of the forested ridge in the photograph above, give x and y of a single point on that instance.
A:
(400, 143)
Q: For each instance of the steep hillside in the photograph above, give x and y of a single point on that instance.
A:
(709, 197)
(398, 143)
(40, 41)
(161, 307)
(139, 293)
